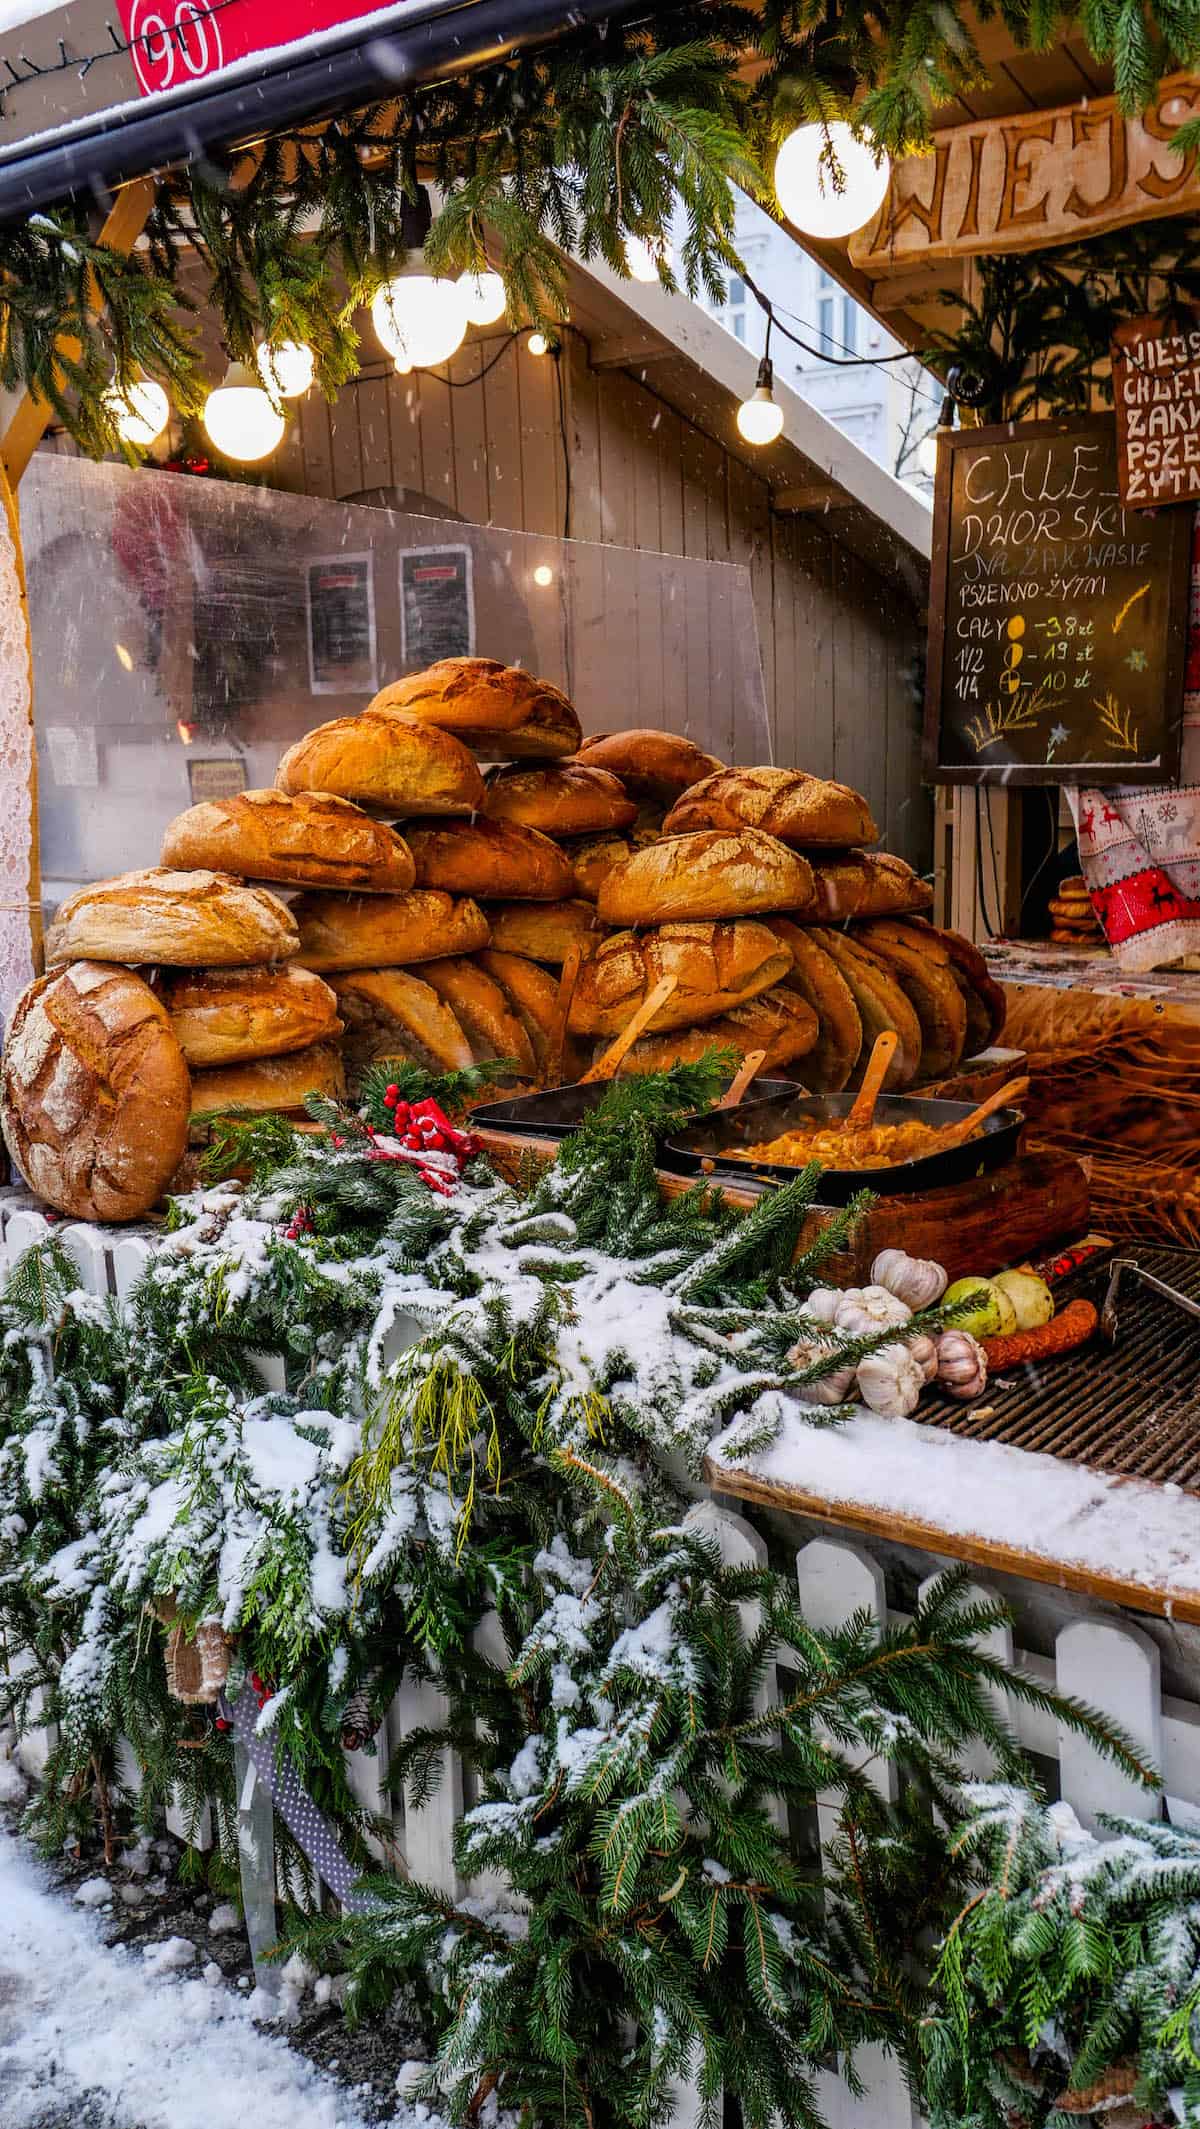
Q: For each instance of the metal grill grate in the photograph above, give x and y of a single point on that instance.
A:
(1132, 1409)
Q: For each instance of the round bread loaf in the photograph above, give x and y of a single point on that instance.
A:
(227, 1016)
(652, 764)
(715, 966)
(593, 857)
(819, 980)
(94, 1092)
(309, 839)
(806, 811)
(778, 1021)
(386, 931)
(177, 919)
(270, 1084)
(705, 875)
(485, 857)
(564, 799)
(543, 931)
(389, 1013)
(386, 760)
(477, 1002)
(497, 710)
(859, 885)
(532, 993)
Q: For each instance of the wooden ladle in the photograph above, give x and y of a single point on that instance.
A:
(751, 1063)
(862, 1115)
(958, 1134)
(610, 1064)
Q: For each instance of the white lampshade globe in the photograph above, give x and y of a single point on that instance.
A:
(484, 298)
(927, 453)
(420, 317)
(805, 188)
(286, 369)
(760, 418)
(538, 344)
(141, 413)
(642, 260)
(239, 417)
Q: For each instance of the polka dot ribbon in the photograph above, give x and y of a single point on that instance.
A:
(300, 1815)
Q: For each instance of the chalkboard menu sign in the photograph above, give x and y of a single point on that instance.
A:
(1156, 392)
(1057, 619)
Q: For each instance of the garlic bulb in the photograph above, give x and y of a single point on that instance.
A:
(924, 1351)
(917, 1280)
(832, 1389)
(890, 1381)
(961, 1364)
(823, 1303)
(863, 1310)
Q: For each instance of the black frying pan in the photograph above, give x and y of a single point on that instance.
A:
(558, 1111)
(706, 1145)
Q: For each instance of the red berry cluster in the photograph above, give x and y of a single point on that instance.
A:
(262, 1693)
(301, 1224)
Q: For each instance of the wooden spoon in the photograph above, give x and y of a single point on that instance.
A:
(751, 1063)
(958, 1134)
(861, 1116)
(562, 1013)
(614, 1056)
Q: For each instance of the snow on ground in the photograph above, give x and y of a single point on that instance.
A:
(88, 2033)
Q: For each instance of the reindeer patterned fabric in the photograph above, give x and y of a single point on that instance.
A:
(1139, 847)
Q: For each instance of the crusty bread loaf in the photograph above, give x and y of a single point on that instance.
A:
(922, 967)
(496, 858)
(563, 798)
(881, 1003)
(593, 857)
(94, 1093)
(532, 993)
(716, 966)
(390, 1013)
(652, 764)
(986, 1002)
(386, 760)
(818, 979)
(231, 1015)
(309, 839)
(806, 811)
(268, 1085)
(482, 1010)
(386, 931)
(499, 710)
(862, 885)
(179, 919)
(708, 874)
(778, 1021)
(543, 931)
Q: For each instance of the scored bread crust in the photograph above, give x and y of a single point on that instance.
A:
(863, 884)
(390, 1013)
(985, 1000)
(94, 1092)
(231, 1015)
(178, 919)
(481, 696)
(387, 760)
(881, 1003)
(817, 978)
(593, 857)
(532, 993)
(543, 931)
(922, 967)
(808, 811)
(706, 874)
(560, 798)
(650, 763)
(778, 1021)
(488, 1020)
(301, 839)
(716, 967)
(269, 1083)
(491, 858)
(386, 931)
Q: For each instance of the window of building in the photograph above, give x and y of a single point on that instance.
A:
(735, 306)
(837, 317)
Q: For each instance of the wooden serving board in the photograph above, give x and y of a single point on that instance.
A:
(981, 1225)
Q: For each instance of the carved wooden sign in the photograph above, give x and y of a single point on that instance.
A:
(1156, 391)
(1046, 177)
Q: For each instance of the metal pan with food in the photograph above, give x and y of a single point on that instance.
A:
(556, 1112)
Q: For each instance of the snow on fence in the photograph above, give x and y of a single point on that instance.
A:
(1103, 1658)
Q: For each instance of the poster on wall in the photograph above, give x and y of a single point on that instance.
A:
(1156, 393)
(437, 604)
(215, 776)
(342, 650)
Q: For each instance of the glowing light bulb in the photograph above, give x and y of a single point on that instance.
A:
(239, 418)
(419, 317)
(808, 190)
(484, 298)
(403, 366)
(642, 259)
(543, 575)
(538, 344)
(927, 453)
(141, 413)
(760, 418)
(287, 369)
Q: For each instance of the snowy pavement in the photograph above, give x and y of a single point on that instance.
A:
(95, 2038)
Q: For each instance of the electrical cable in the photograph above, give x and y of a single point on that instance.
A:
(566, 444)
(459, 384)
(980, 888)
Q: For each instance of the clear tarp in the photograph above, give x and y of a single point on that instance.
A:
(186, 630)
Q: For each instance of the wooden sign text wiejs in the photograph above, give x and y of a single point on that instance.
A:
(1156, 392)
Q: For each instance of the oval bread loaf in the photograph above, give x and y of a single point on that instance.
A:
(865, 885)
(881, 1003)
(532, 993)
(483, 1011)
(496, 709)
(269, 1084)
(543, 931)
(386, 931)
(922, 967)
(178, 919)
(564, 798)
(593, 857)
(708, 874)
(305, 839)
(486, 857)
(390, 1013)
(807, 811)
(818, 979)
(650, 763)
(230, 1015)
(94, 1092)
(778, 1021)
(389, 761)
(716, 967)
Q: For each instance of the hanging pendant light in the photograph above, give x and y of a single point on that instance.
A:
(538, 344)
(484, 299)
(141, 413)
(287, 368)
(239, 417)
(760, 418)
(808, 190)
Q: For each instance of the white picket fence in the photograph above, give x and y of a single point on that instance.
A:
(1103, 1658)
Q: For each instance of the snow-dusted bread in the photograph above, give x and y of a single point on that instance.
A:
(94, 1093)
(485, 857)
(231, 1015)
(340, 931)
(178, 919)
(715, 966)
(306, 839)
(809, 811)
(389, 761)
(709, 874)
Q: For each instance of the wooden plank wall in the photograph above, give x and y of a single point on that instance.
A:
(839, 642)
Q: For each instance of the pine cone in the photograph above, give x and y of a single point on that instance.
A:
(359, 1723)
(1110, 2092)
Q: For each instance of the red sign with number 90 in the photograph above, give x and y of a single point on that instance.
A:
(174, 42)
